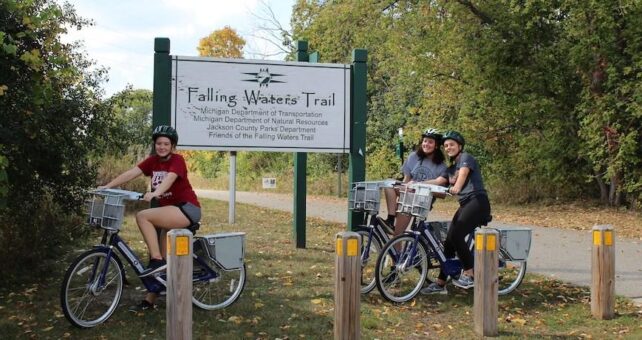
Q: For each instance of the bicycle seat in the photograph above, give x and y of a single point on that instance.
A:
(194, 227)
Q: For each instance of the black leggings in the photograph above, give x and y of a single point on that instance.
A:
(471, 214)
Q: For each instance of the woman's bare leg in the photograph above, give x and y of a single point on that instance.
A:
(167, 217)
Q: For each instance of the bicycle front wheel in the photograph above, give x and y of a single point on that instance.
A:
(214, 287)
(510, 274)
(370, 250)
(401, 268)
(92, 288)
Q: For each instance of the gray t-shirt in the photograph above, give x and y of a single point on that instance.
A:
(423, 169)
(474, 184)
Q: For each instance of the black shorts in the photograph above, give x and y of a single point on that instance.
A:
(192, 212)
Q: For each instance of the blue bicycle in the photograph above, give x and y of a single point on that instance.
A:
(373, 231)
(93, 283)
(408, 260)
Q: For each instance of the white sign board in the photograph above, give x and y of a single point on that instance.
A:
(269, 183)
(236, 104)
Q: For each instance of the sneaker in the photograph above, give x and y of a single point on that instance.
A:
(464, 281)
(434, 288)
(155, 266)
(143, 306)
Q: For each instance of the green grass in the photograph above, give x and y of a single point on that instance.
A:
(289, 295)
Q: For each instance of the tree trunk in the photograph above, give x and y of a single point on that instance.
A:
(604, 192)
(615, 197)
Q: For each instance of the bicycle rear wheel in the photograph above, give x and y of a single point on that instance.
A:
(214, 287)
(370, 250)
(510, 274)
(401, 268)
(91, 288)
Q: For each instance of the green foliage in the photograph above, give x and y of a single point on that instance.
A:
(207, 164)
(546, 92)
(52, 121)
(131, 123)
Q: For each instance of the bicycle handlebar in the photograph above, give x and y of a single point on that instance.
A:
(129, 195)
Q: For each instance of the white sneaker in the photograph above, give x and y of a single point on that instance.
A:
(464, 281)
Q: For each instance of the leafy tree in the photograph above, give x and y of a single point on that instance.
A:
(132, 119)
(604, 47)
(52, 119)
(223, 43)
(547, 92)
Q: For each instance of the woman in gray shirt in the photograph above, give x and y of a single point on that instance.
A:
(426, 164)
(466, 182)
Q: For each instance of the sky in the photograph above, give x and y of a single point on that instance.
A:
(122, 37)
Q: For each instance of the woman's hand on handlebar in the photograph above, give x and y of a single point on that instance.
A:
(453, 190)
(149, 196)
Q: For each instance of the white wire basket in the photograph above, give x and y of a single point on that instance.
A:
(106, 208)
(366, 196)
(416, 199)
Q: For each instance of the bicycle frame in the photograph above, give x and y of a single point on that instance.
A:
(112, 240)
(423, 232)
(375, 229)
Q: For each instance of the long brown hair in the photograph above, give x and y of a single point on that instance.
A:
(437, 155)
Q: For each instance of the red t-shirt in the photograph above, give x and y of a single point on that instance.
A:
(181, 190)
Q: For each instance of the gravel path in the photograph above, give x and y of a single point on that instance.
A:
(558, 253)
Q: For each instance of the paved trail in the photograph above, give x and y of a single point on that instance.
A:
(558, 253)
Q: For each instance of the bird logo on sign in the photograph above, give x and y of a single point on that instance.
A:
(263, 77)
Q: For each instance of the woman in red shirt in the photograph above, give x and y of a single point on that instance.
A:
(178, 205)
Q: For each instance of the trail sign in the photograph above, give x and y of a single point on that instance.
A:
(236, 104)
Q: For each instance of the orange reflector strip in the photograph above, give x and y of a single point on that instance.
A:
(491, 242)
(597, 238)
(608, 238)
(182, 245)
(353, 247)
(479, 242)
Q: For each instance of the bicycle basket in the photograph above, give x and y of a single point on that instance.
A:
(415, 201)
(226, 249)
(106, 210)
(364, 196)
(515, 242)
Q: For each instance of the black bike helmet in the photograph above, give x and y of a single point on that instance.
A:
(456, 136)
(165, 131)
(432, 133)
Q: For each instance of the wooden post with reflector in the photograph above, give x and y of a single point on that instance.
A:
(179, 284)
(485, 301)
(347, 288)
(603, 272)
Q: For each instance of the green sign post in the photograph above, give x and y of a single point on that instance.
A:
(300, 173)
(359, 108)
(162, 83)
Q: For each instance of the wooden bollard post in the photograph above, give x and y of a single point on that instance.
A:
(485, 302)
(603, 272)
(179, 284)
(347, 287)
